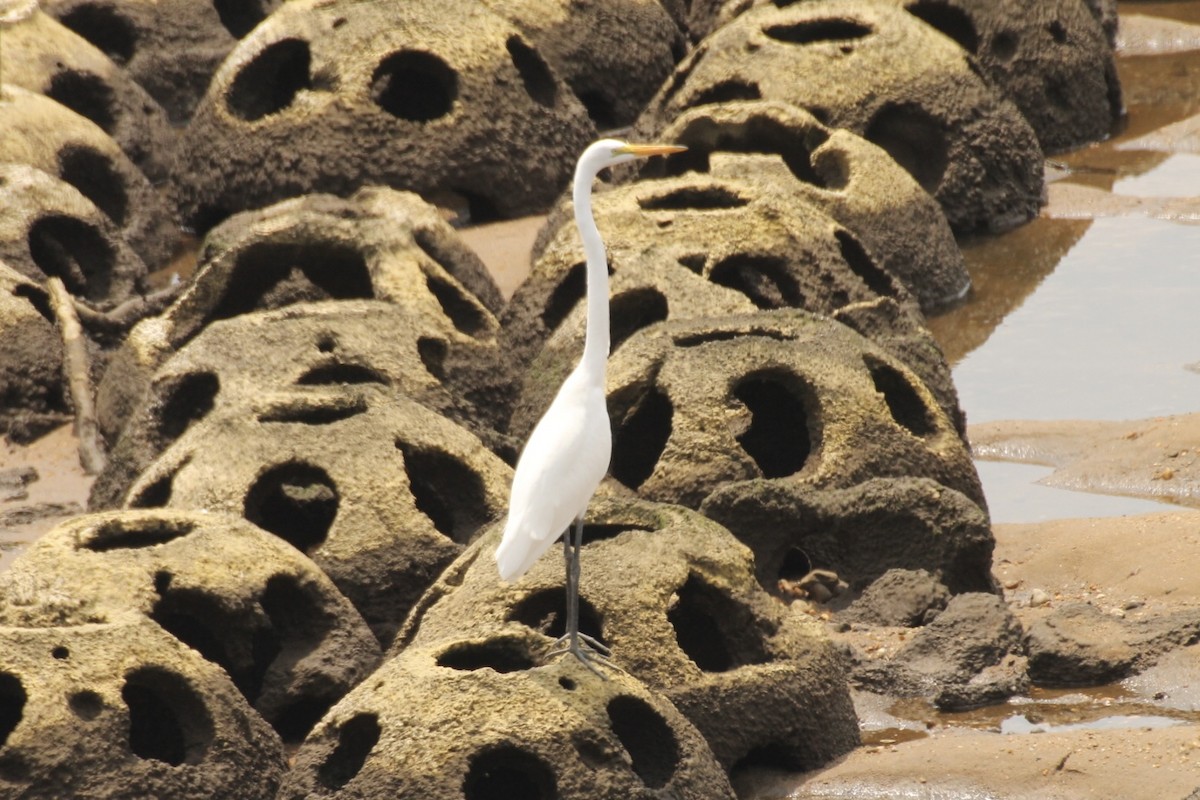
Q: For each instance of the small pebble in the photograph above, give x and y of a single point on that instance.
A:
(1038, 597)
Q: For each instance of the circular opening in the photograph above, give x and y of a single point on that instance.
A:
(168, 720)
(101, 25)
(535, 75)
(94, 175)
(271, 80)
(297, 502)
(356, 739)
(85, 94)
(414, 85)
(646, 736)
(61, 653)
(507, 772)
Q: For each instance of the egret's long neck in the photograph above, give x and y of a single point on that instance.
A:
(595, 348)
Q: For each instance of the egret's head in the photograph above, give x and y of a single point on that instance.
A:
(610, 152)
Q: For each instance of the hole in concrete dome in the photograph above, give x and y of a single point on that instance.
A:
(270, 82)
(569, 291)
(762, 278)
(339, 373)
(103, 26)
(683, 71)
(315, 411)
(914, 139)
(772, 756)
(1057, 32)
(697, 198)
(640, 435)
(694, 262)
(414, 85)
(447, 491)
(715, 631)
(60, 653)
(239, 17)
(85, 704)
(501, 655)
(758, 134)
(598, 532)
(85, 94)
(950, 20)
(464, 312)
(433, 355)
(818, 30)
(157, 493)
(600, 109)
(507, 772)
(545, 611)
(202, 621)
(297, 502)
(777, 437)
(168, 720)
(862, 265)
(356, 738)
(299, 623)
(633, 310)
(270, 275)
(12, 704)
(567, 683)
(133, 532)
(538, 80)
(903, 401)
(794, 565)
(75, 251)
(646, 736)
(708, 337)
(185, 399)
(1004, 45)
(726, 91)
(36, 297)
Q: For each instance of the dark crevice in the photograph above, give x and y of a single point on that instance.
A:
(914, 139)
(186, 399)
(239, 17)
(356, 739)
(501, 655)
(950, 20)
(535, 75)
(726, 91)
(270, 275)
(905, 405)
(104, 27)
(861, 264)
(335, 409)
(694, 198)
(168, 720)
(818, 30)
(545, 611)
(464, 313)
(12, 704)
(433, 355)
(507, 772)
(341, 374)
(717, 632)
(131, 533)
(569, 291)
(74, 251)
(708, 337)
(633, 310)
(795, 565)
(85, 94)
(36, 297)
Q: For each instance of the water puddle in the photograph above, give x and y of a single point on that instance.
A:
(1014, 495)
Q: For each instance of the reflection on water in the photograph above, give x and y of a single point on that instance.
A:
(1177, 176)
(1013, 495)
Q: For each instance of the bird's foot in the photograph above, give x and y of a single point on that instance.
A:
(586, 649)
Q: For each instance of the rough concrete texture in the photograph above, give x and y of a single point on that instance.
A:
(613, 55)
(884, 75)
(171, 47)
(859, 531)
(121, 711)
(741, 235)
(475, 719)
(675, 598)
(1052, 59)
(43, 56)
(850, 179)
(234, 361)
(786, 395)
(42, 133)
(899, 597)
(380, 491)
(50, 229)
(244, 599)
(31, 379)
(448, 100)
(379, 244)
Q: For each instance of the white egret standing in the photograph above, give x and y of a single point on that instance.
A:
(568, 452)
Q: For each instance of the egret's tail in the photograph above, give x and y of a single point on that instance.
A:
(517, 553)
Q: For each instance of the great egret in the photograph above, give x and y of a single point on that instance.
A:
(568, 452)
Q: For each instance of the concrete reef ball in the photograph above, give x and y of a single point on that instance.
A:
(378, 244)
(784, 395)
(760, 249)
(377, 489)
(886, 76)
(121, 711)
(49, 229)
(450, 722)
(849, 178)
(41, 133)
(233, 362)
(446, 99)
(675, 597)
(244, 599)
(42, 55)
(171, 47)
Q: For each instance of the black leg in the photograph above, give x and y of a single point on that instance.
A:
(580, 645)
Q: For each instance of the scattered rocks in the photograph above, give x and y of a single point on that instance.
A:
(899, 597)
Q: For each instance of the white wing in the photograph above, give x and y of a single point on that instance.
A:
(561, 466)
